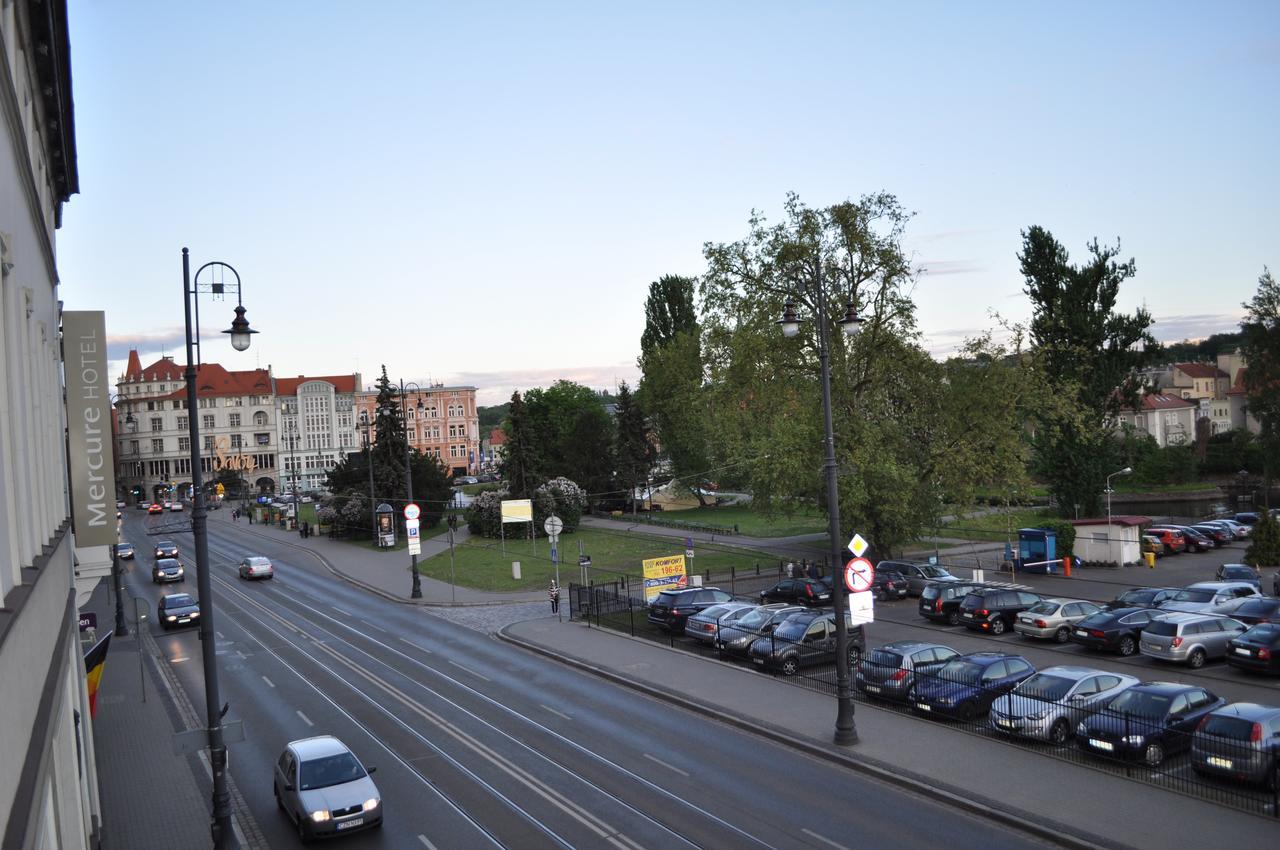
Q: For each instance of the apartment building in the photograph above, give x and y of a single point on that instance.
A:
(238, 428)
(317, 428)
(1168, 418)
(447, 427)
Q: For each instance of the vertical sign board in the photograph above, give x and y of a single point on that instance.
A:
(91, 456)
(663, 574)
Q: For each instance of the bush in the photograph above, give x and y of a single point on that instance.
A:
(484, 514)
(1066, 535)
(559, 496)
(1264, 542)
(568, 501)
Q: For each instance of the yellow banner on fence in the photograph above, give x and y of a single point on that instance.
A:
(663, 574)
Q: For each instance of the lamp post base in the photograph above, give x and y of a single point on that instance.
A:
(846, 731)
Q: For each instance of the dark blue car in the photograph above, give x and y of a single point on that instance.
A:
(1147, 722)
(966, 686)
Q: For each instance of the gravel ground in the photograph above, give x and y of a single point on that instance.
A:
(491, 618)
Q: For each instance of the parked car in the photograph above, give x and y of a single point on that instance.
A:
(1151, 543)
(1238, 528)
(1189, 639)
(1147, 722)
(1049, 704)
(1053, 618)
(1193, 540)
(798, 591)
(166, 549)
(167, 569)
(154, 508)
(994, 609)
(1116, 631)
(1208, 597)
(889, 584)
(966, 686)
(1252, 611)
(124, 551)
(324, 789)
(705, 625)
(1173, 540)
(737, 638)
(672, 607)
(256, 566)
(1239, 572)
(178, 609)
(1257, 650)
(918, 575)
(175, 507)
(940, 601)
(1219, 535)
(142, 506)
(890, 671)
(1240, 741)
(1234, 530)
(1248, 518)
(803, 639)
(1142, 597)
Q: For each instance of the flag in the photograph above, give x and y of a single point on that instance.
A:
(94, 660)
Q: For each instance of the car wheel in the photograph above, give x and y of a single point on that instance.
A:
(967, 712)
(276, 791)
(997, 626)
(1059, 731)
(911, 695)
(1196, 659)
(789, 666)
(303, 838)
(1127, 645)
(1153, 754)
(1062, 635)
(953, 618)
(883, 595)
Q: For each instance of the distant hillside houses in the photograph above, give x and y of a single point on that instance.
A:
(1180, 394)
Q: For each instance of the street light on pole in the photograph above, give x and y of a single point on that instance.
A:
(846, 731)
(241, 335)
(291, 431)
(416, 591)
(368, 454)
(1128, 470)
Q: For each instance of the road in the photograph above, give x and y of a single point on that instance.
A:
(480, 744)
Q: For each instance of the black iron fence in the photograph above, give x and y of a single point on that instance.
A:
(1236, 764)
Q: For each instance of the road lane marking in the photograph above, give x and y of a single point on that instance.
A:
(340, 611)
(178, 660)
(305, 719)
(270, 684)
(469, 670)
(553, 711)
(426, 843)
(219, 634)
(657, 760)
(372, 626)
(415, 646)
(823, 839)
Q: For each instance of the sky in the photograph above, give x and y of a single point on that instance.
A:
(482, 193)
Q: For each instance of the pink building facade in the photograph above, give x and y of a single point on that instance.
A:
(447, 427)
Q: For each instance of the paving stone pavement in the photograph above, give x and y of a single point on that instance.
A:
(493, 618)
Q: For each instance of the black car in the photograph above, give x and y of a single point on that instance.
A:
(889, 584)
(736, 638)
(967, 685)
(1147, 722)
(1220, 536)
(1115, 631)
(941, 600)
(1246, 518)
(1142, 597)
(993, 609)
(804, 639)
(1257, 650)
(124, 551)
(1261, 609)
(798, 591)
(168, 569)
(672, 607)
(1239, 572)
(166, 549)
(178, 609)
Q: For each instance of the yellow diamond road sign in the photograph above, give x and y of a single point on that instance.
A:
(858, 545)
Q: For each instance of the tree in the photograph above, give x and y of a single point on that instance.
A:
(668, 312)
(521, 461)
(1261, 349)
(1264, 542)
(632, 451)
(1087, 352)
(574, 432)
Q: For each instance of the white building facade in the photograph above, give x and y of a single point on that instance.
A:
(317, 429)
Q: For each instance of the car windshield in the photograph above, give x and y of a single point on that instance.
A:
(756, 618)
(933, 571)
(884, 658)
(1136, 595)
(257, 562)
(930, 592)
(1237, 572)
(1163, 628)
(713, 612)
(666, 598)
(1141, 703)
(1045, 686)
(960, 671)
(330, 770)
(178, 599)
(793, 629)
(1256, 608)
(1044, 606)
(1265, 632)
(1102, 618)
(1193, 595)
(1222, 726)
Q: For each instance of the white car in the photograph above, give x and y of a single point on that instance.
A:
(176, 507)
(256, 566)
(324, 789)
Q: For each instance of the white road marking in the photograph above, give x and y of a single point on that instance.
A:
(553, 711)
(219, 634)
(426, 843)
(372, 626)
(340, 611)
(469, 670)
(657, 760)
(305, 719)
(415, 646)
(178, 660)
(270, 684)
(822, 838)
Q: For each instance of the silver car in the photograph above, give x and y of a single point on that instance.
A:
(918, 575)
(1189, 639)
(1053, 618)
(705, 625)
(1208, 597)
(737, 639)
(1050, 704)
(324, 789)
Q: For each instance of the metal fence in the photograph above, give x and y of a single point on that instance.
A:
(1241, 771)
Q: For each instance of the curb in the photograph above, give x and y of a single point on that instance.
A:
(1030, 823)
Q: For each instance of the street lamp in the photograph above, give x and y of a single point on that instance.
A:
(416, 591)
(240, 334)
(846, 732)
(291, 431)
(1244, 496)
(368, 455)
(1128, 470)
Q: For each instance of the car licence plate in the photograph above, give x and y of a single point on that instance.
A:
(1082, 633)
(1215, 761)
(759, 661)
(1004, 724)
(347, 824)
(968, 614)
(924, 707)
(1240, 650)
(874, 689)
(184, 619)
(1105, 746)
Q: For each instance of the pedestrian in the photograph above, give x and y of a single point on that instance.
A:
(554, 594)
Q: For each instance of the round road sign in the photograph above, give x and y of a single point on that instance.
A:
(858, 575)
(553, 526)
(412, 511)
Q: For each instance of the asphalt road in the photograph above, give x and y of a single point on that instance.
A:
(480, 744)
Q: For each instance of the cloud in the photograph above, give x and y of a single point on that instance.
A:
(938, 268)
(940, 235)
(1194, 326)
(496, 387)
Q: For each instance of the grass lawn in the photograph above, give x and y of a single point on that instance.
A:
(480, 563)
(996, 526)
(805, 520)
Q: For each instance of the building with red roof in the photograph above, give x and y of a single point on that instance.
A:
(1168, 418)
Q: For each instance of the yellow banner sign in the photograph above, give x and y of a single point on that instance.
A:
(663, 574)
(517, 510)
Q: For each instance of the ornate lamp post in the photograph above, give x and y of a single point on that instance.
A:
(241, 335)
(846, 731)
(368, 454)
(416, 591)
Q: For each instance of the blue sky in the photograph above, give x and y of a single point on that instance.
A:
(482, 193)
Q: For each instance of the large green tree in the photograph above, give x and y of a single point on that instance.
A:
(1261, 349)
(521, 460)
(574, 433)
(1088, 352)
(632, 451)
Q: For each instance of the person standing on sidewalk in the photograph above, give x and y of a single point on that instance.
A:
(554, 595)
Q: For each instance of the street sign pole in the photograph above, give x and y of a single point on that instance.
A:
(553, 525)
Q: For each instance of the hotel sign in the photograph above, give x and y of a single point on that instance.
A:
(89, 427)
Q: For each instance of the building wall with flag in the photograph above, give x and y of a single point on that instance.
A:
(48, 791)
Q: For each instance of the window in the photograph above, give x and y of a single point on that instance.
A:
(182, 424)
(995, 671)
(234, 420)
(157, 424)
(260, 418)
(208, 443)
(237, 442)
(157, 446)
(262, 439)
(133, 447)
(206, 421)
